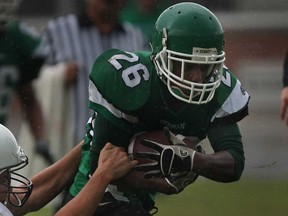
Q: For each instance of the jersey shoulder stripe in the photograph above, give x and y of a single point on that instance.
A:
(101, 105)
(122, 78)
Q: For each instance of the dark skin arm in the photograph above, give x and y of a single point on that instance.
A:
(225, 165)
(219, 166)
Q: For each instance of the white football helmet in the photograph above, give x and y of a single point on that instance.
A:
(13, 158)
(8, 9)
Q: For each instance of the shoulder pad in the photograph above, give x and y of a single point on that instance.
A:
(123, 78)
(230, 96)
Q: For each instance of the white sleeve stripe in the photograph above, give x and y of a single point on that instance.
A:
(232, 105)
(96, 97)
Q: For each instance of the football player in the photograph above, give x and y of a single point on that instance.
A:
(182, 85)
(20, 196)
(21, 57)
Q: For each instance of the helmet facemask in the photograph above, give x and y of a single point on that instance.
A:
(187, 49)
(210, 63)
(12, 158)
(19, 187)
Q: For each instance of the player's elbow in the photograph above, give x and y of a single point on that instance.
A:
(239, 167)
(231, 174)
(235, 174)
(239, 164)
(238, 173)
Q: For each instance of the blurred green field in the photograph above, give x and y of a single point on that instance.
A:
(247, 197)
(265, 197)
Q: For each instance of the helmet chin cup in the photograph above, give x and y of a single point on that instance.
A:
(20, 189)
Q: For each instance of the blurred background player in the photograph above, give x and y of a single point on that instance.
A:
(22, 54)
(20, 195)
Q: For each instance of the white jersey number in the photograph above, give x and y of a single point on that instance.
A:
(132, 75)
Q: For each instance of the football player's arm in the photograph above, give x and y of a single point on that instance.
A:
(113, 163)
(227, 163)
(48, 183)
(224, 165)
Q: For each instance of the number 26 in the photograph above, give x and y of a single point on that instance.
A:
(132, 75)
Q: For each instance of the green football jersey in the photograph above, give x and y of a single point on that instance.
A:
(128, 97)
(126, 90)
(21, 55)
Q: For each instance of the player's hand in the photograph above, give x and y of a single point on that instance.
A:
(115, 162)
(71, 73)
(167, 160)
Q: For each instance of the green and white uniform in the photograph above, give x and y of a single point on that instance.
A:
(127, 96)
(21, 56)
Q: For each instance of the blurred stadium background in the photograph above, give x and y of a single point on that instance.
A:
(256, 41)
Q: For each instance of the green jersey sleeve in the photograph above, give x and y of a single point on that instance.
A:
(120, 85)
(126, 71)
